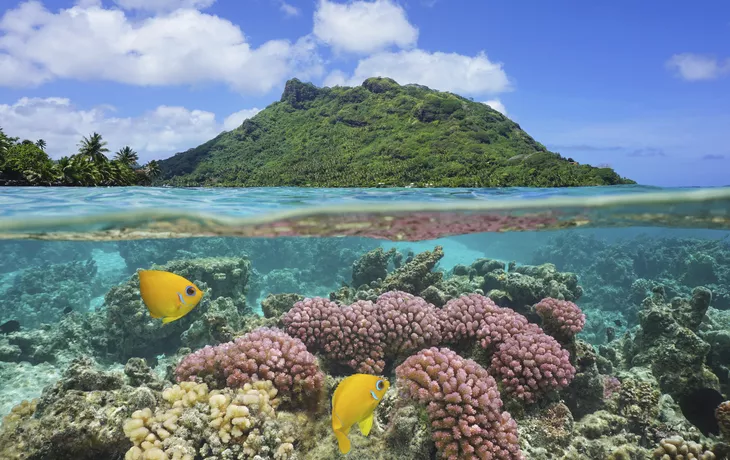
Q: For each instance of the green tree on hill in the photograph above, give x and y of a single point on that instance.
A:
(377, 134)
(26, 163)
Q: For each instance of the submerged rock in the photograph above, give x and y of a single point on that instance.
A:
(79, 417)
(667, 343)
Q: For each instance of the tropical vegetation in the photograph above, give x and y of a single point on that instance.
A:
(377, 134)
(27, 163)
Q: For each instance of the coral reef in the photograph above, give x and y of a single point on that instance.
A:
(722, 414)
(667, 342)
(368, 336)
(40, 294)
(263, 354)
(474, 318)
(132, 332)
(618, 274)
(227, 423)
(519, 288)
(679, 449)
(275, 305)
(715, 330)
(464, 405)
(365, 334)
(530, 364)
(560, 318)
(372, 267)
(80, 417)
(491, 359)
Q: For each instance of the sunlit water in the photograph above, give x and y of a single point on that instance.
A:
(65, 249)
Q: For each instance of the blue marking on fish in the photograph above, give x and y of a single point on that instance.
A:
(374, 395)
(179, 296)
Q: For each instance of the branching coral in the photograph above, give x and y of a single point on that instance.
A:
(475, 316)
(722, 414)
(365, 334)
(530, 364)
(560, 318)
(463, 405)
(263, 354)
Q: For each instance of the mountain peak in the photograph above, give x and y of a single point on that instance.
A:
(379, 133)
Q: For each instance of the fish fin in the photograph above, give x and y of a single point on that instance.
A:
(366, 425)
(343, 441)
(154, 315)
(336, 422)
(169, 319)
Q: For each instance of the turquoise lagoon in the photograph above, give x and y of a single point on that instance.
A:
(64, 250)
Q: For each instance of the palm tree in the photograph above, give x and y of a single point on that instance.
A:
(120, 174)
(93, 148)
(5, 141)
(41, 144)
(46, 174)
(153, 169)
(127, 156)
(78, 170)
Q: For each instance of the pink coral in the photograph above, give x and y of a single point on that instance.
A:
(722, 415)
(364, 334)
(263, 354)
(408, 322)
(561, 318)
(463, 404)
(316, 321)
(462, 317)
(365, 338)
(530, 364)
(475, 316)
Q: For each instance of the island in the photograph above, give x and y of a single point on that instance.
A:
(378, 134)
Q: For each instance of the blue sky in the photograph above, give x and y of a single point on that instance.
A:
(641, 86)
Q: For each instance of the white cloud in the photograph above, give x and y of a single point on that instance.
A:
(163, 5)
(442, 71)
(497, 105)
(289, 10)
(363, 26)
(338, 78)
(178, 48)
(695, 67)
(234, 120)
(155, 134)
(16, 71)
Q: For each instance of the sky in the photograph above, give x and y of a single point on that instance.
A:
(643, 87)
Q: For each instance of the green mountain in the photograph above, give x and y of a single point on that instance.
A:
(377, 134)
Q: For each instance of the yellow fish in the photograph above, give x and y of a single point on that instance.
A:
(354, 401)
(167, 295)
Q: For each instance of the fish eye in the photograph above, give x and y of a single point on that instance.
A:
(379, 385)
(190, 290)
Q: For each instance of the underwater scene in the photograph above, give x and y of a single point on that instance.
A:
(190, 324)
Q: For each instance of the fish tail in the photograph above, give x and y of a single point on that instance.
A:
(343, 441)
